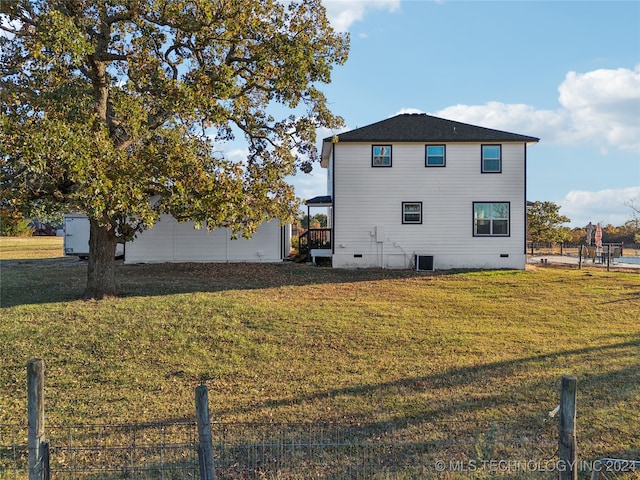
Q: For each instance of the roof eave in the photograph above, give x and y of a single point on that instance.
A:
(325, 154)
(328, 141)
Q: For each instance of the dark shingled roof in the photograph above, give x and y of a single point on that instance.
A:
(324, 199)
(413, 127)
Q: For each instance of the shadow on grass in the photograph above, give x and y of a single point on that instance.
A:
(62, 280)
(461, 431)
(45, 281)
(468, 429)
(478, 374)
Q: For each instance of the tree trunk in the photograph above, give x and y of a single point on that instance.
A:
(101, 273)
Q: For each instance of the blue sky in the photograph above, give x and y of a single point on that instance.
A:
(566, 72)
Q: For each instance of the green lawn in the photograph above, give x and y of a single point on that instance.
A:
(295, 343)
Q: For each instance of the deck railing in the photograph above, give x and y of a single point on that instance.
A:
(315, 238)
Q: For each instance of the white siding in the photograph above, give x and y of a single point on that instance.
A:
(330, 178)
(366, 197)
(172, 241)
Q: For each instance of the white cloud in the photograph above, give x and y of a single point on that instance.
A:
(236, 155)
(343, 13)
(604, 104)
(600, 108)
(408, 110)
(517, 117)
(604, 206)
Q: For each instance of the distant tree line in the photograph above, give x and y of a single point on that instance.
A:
(627, 233)
(545, 225)
(319, 220)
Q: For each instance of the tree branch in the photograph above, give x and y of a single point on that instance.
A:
(12, 31)
(119, 17)
(109, 57)
(18, 14)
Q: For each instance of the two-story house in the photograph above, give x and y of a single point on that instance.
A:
(420, 191)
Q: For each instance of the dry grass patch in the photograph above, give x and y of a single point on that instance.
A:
(26, 248)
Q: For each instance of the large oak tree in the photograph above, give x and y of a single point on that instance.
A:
(115, 107)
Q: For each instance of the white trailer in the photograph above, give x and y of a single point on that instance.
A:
(76, 236)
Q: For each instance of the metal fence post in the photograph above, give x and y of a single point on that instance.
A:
(35, 416)
(46, 467)
(580, 257)
(205, 447)
(567, 429)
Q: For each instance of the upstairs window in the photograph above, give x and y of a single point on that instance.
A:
(491, 219)
(411, 212)
(491, 158)
(435, 156)
(381, 156)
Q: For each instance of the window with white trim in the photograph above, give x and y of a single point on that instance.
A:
(491, 158)
(411, 212)
(491, 219)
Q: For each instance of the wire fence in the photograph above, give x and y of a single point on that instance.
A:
(289, 451)
(374, 451)
(165, 450)
(421, 450)
(573, 250)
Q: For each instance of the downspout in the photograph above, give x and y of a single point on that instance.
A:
(309, 257)
(333, 200)
(524, 246)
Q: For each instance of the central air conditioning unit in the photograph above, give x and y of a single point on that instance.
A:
(424, 263)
